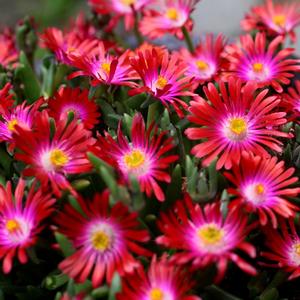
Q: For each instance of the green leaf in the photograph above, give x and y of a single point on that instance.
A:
(55, 281)
(64, 244)
(271, 294)
(217, 293)
(115, 287)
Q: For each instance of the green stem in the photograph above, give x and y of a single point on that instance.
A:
(188, 39)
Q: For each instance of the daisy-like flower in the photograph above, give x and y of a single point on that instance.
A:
(51, 156)
(274, 18)
(163, 77)
(105, 68)
(205, 63)
(68, 100)
(163, 281)
(171, 17)
(291, 102)
(118, 9)
(235, 121)
(8, 51)
(6, 98)
(20, 222)
(262, 185)
(253, 60)
(143, 158)
(284, 248)
(203, 236)
(104, 239)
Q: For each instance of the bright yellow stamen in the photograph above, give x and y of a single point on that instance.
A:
(259, 189)
(172, 14)
(210, 234)
(202, 65)
(58, 158)
(12, 226)
(135, 159)
(297, 248)
(238, 126)
(279, 20)
(128, 2)
(101, 241)
(12, 124)
(156, 294)
(161, 82)
(106, 67)
(258, 67)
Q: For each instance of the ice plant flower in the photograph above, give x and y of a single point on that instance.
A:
(118, 9)
(163, 281)
(105, 68)
(202, 236)
(284, 248)
(21, 222)
(262, 185)
(9, 54)
(104, 239)
(163, 78)
(6, 98)
(291, 102)
(253, 60)
(206, 62)
(274, 18)
(73, 100)
(144, 157)
(50, 156)
(171, 17)
(234, 121)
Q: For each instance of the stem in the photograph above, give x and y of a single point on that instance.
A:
(188, 39)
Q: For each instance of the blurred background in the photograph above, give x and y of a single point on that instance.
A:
(211, 15)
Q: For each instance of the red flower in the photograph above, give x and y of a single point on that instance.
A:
(163, 78)
(9, 54)
(254, 60)
(234, 121)
(204, 236)
(262, 185)
(143, 157)
(20, 222)
(163, 280)
(291, 102)
(68, 100)
(284, 248)
(52, 156)
(104, 238)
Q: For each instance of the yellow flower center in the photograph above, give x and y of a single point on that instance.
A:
(128, 2)
(279, 20)
(58, 158)
(172, 14)
(259, 189)
(101, 241)
(12, 226)
(210, 234)
(297, 248)
(156, 294)
(202, 65)
(12, 124)
(161, 82)
(105, 67)
(238, 126)
(258, 67)
(135, 159)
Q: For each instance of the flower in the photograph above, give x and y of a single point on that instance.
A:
(274, 18)
(73, 100)
(163, 78)
(262, 185)
(50, 156)
(6, 98)
(206, 237)
(205, 63)
(20, 222)
(163, 280)
(235, 121)
(9, 54)
(253, 60)
(291, 102)
(105, 68)
(143, 158)
(171, 17)
(284, 248)
(103, 237)
(119, 8)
